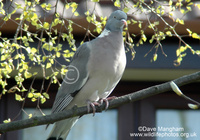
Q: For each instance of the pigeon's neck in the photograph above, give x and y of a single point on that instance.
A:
(104, 33)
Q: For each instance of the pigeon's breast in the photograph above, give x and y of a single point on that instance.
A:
(107, 63)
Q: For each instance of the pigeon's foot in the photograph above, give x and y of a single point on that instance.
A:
(106, 100)
(99, 103)
(92, 105)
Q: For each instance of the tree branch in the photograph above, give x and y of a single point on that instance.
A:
(75, 111)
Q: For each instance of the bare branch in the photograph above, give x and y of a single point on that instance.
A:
(75, 111)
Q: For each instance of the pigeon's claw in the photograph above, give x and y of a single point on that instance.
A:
(92, 105)
(106, 100)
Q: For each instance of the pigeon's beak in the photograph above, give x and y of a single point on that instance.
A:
(124, 21)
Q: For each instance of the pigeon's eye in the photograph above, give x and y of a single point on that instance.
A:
(114, 17)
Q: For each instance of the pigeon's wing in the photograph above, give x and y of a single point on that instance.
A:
(75, 78)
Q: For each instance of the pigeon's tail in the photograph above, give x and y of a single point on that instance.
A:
(61, 129)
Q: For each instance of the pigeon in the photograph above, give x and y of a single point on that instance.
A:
(94, 71)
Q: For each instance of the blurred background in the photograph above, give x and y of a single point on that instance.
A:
(165, 110)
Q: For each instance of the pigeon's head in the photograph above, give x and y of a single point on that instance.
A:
(116, 21)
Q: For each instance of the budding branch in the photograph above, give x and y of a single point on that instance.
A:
(79, 111)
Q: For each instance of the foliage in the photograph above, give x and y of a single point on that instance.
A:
(18, 56)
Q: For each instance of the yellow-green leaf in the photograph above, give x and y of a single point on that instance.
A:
(34, 16)
(58, 54)
(74, 6)
(33, 99)
(46, 95)
(155, 57)
(144, 38)
(182, 11)
(46, 25)
(169, 33)
(3, 57)
(126, 9)
(178, 52)
(7, 121)
(30, 116)
(117, 3)
(197, 52)
(48, 65)
(76, 14)
(181, 21)
(43, 100)
(33, 50)
(18, 97)
(195, 35)
(27, 74)
(37, 95)
(43, 5)
(30, 95)
(67, 6)
(48, 7)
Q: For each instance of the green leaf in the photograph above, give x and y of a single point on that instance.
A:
(189, 8)
(7, 121)
(178, 52)
(144, 38)
(126, 9)
(140, 25)
(44, 58)
(33, 50)
(88, 18)
(117, 3)
(169, 33)
(33, 17)
(182, 11)
(33, 99)
(56, 21)
(3, 57)
(30, 95)
(58, 54)
(74, 6)
(181, 50)
(18, 97)
(46, 25)
(195, 35)
(30, 116)
(46, 95)
(43, 5)
(27, 74)
(48, 7)
(48, 65)
(76, 14)
(155, 56)
(67, 6)
(43, 100)
(197, 52)
(181, 21)
(37, 95)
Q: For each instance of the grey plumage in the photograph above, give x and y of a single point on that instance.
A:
(100, 64)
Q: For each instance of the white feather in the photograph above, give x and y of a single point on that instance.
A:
(104, 33)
